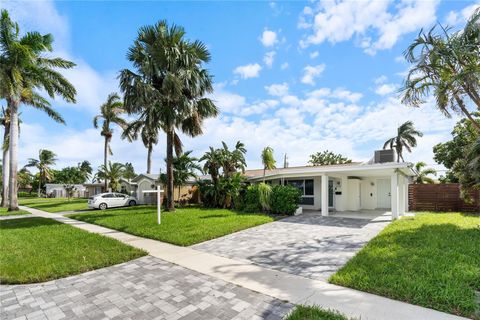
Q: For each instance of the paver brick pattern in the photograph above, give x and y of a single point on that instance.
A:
(145, 288)
(307, 245)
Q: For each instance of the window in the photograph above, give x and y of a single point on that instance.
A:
(306, 187)
(108, 195)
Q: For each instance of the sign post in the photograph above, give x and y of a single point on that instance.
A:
(159, 204)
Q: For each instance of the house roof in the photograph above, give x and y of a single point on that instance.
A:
(354, 168)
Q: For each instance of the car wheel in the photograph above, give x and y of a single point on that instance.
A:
(102, 206)
(132, 203)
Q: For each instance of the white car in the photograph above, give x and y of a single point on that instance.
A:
(110, 200)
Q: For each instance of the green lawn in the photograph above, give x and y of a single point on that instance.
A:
(185, 226)
(5, 212)
(55, 204)
(432, 260)
(314, 313)
(39, 249)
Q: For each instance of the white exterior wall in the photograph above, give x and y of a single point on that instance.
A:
(369, 194)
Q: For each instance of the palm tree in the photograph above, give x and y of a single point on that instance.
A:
(268, 160)
(23, 67)
(234, 160)
(129, 172)
(184, 168)
(5, 122)
(422, 174)
(46, 159)
(169, 78)
(405, 138)
(85, 169)
(112, 173)
(447, 66)
(212, 165)
(110, 113)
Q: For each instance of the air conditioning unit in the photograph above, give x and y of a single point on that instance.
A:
(382, 156)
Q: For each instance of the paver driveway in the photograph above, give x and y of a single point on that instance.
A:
(308, 245)
(145, 288)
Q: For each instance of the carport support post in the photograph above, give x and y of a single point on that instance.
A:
(324, 195)
(394, 195)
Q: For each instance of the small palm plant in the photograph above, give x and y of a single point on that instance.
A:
(112, 173)
(405, 138)
(268, 160)
(423, 174)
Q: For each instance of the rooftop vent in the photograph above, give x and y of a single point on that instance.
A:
(382, 156)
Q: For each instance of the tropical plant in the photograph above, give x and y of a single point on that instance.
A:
(147, 128)
(46, 159)
(185, 167)
(268, 160)
(70, 190)
(23, 68)
(423, 174)
(446, 65)
(327, 158)
(169, 77)
(110, 113)
(213, 164)
(449, 152)
(112, 173)
(129, 172)
(68, 175)
(234, 160)
(264, 194)
(405, 138)
(229, 188)
(25, 178)
(85, 169)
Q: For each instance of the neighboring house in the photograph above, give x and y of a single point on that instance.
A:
(94, 188)
(144, 181)
(380, 184)
(57, 190)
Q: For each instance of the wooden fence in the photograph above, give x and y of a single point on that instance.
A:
(440, 197)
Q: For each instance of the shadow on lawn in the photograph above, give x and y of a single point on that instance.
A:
(25, 223)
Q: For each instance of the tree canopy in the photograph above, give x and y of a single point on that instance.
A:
(327, 157)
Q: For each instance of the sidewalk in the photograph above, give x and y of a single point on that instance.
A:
(280, 285)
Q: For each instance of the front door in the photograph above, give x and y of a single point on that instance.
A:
(384, 194)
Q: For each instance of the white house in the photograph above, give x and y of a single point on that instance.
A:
(356, 187)
(57, 190)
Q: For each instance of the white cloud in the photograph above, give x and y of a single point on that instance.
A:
(251, 70)
(314, 54)
(378, 25)
(268, 38)
(279, 89)
(284, 66)
(268, 58)
(455, 18)
(312, 72)
(385, 88)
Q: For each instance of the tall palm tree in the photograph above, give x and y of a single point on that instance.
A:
(422, 174)
(147, 129)
(5, 122)
(46, 159)
(447, 66)
(169, 77)
(268, 160)
(24, 67)
(110, 113)
(112, 173)
(405, 138)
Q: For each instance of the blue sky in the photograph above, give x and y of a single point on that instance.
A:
(298, 76)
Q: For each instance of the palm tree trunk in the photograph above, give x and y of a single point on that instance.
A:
(263, 174)
(105, 154)
(39, 184)
(170, 204)
(464, 109)
(149, 158)
(13, 104)
(6, 167)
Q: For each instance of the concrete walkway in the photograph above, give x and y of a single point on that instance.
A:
(280, 285)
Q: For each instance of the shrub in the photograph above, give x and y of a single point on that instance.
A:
(284, 199)
(23, 194)
(264, 193)
(251, 200)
